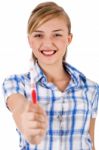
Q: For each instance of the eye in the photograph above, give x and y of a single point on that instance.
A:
(38, 35)
(57, 34)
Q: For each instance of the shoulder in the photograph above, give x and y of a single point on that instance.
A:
(81, 79)
(92, 88)
(15, 84)
(16, 79)
(90, 85)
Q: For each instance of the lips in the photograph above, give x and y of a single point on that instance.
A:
(48, 52)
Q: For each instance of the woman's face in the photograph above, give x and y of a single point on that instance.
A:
(49, 41)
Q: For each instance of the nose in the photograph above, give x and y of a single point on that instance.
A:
(47, 43)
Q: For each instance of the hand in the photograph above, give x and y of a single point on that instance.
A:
(32, 122)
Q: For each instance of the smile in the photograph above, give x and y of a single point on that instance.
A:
(48, 52)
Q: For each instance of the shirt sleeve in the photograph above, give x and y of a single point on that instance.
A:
(13, 85)
(94, 102)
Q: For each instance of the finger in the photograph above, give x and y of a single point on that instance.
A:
(31, 120)
(37, 125)
(34, 132)
(38, 109)
(29, 106)
(35, 116)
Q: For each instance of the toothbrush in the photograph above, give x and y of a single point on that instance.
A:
(33, 87)
(34, 96)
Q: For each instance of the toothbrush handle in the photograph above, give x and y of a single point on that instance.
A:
(34, 96)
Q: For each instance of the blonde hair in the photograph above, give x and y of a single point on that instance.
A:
(46, 11)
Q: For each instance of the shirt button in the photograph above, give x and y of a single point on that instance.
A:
(60, 118)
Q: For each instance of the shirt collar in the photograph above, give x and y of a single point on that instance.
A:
(76, 75)
(36, 72)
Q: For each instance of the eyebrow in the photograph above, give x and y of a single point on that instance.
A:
(57, 30)
(52, 31)
(38, 31)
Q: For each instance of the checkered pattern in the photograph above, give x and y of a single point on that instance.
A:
(69, 112)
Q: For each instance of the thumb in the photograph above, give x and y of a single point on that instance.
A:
(29, 106)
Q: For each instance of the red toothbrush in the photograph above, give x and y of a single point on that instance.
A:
(34, 96)
(33, 85)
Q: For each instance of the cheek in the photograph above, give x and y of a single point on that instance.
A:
(62, 44)
(34, 45)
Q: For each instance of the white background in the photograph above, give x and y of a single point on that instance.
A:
(15, 53)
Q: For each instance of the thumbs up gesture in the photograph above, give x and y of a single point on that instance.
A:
(34, 123)
(31, 120)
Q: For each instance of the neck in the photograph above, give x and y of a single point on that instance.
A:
(54, 72)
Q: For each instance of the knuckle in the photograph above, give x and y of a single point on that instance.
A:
(41, 131)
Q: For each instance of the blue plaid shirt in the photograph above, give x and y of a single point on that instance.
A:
(69, 112)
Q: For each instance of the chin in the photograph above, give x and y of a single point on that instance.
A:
(49, 62)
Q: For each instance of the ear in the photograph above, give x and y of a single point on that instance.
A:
(69, 38)
(29, 40)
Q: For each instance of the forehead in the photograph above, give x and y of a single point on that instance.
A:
(53, 23)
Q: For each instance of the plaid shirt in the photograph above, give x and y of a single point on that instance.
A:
(69, 112)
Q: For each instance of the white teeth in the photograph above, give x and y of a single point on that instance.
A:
(48, 52)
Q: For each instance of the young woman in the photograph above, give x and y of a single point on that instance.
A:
(63, 117)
